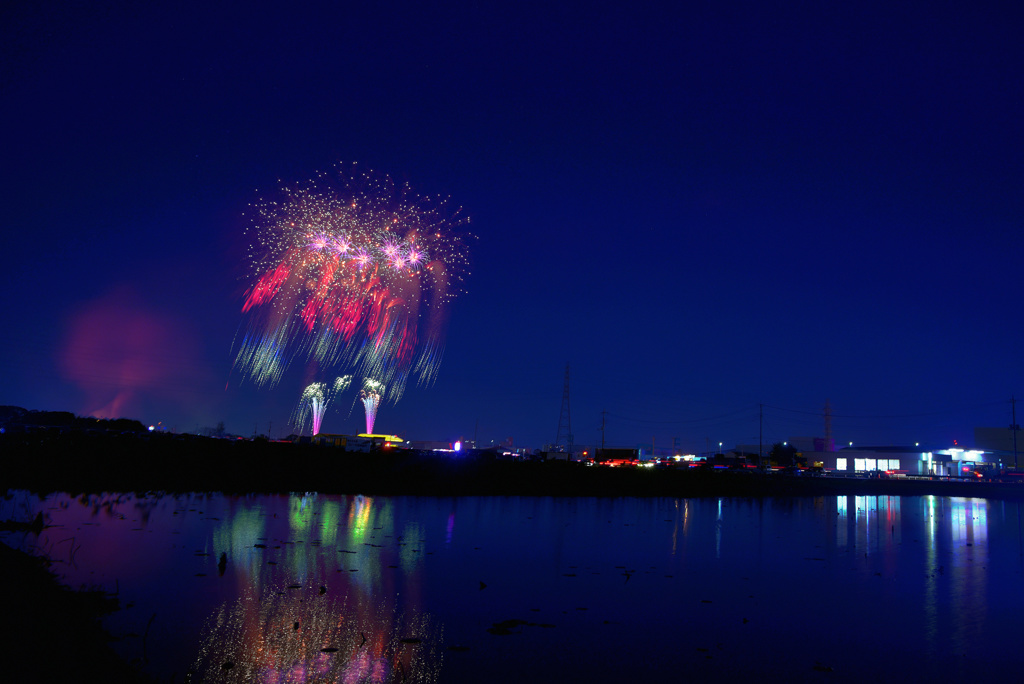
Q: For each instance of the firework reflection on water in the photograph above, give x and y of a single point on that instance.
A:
(305, 615)
(296, 634)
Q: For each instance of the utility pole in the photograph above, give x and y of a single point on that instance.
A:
(760, 431)
(1013, 405)
(828, 427)
(565, 419)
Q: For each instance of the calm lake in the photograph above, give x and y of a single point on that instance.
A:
(351, 589)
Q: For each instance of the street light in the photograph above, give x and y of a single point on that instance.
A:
(719, 447)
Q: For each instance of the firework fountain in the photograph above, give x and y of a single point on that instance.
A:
(351, 271)
(315, 399)
(370, 396)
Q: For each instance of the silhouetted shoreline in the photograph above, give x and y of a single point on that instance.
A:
(82, 462)
(55, 633)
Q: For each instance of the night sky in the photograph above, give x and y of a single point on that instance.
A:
(701, 209)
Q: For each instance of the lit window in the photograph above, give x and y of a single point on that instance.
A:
(840, 464)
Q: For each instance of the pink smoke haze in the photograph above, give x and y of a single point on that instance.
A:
(125, 356)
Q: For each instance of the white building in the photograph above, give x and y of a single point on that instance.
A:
(954, 462)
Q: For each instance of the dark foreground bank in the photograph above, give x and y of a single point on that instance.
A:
(129, 463)
(52, 633)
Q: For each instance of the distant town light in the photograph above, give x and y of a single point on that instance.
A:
(458, 446)
(152, 427)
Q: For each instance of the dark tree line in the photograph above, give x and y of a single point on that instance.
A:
(15, 417)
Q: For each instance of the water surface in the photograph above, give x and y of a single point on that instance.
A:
(510, 589)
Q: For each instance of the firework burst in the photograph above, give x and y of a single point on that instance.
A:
(370, 396)
(351, 271)
(315, 399)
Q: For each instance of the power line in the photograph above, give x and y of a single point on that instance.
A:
(731, 414)
(886, 416)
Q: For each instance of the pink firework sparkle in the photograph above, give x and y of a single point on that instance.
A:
(355, 273)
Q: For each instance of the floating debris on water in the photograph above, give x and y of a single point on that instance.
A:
(507, 626)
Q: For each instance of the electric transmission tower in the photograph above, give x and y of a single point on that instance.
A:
(565, 420)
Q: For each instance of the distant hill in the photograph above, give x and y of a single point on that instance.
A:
(9, 413)
(16, 416)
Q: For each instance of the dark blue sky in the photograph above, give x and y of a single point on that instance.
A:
(700, 209)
